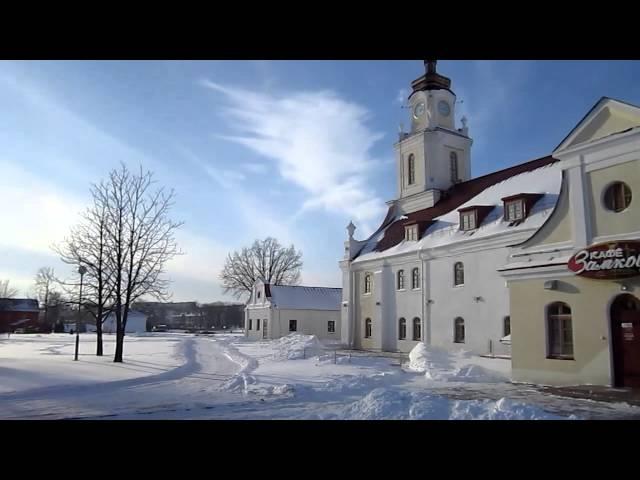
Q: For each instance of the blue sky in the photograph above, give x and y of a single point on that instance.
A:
(291, 149)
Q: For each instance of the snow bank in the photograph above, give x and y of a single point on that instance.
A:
(384, 404)
(296, 346)
(439, 364)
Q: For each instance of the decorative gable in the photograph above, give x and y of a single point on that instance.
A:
(607, 117)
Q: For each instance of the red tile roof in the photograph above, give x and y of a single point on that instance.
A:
(451, 199)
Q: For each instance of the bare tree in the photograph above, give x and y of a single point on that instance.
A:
(88, 245)
(265, 259)
(6, 291)
(141, 240)
(45, 280)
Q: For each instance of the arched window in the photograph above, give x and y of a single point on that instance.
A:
(402, 329)
(458, 273)
(400, 279)
(367, 328)
(453, 163)
(458, 330)
(415, 278)
(417, 333)
(507, 325)
(559, 330)
(411, 170)
(367, 283)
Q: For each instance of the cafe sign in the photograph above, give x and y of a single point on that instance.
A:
(611, 260)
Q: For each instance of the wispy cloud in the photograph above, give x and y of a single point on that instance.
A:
(319, 142)
(253, 167)
(401, 98)
(489, 96)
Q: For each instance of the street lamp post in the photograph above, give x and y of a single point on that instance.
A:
(81, 270)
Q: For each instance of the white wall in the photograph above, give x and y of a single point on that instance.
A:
(254, 314)
(136, 323)
(310, 322)
(483, 319)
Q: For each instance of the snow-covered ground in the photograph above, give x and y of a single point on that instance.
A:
(182, 376)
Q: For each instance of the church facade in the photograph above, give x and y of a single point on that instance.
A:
(459, 261)
(429, 272)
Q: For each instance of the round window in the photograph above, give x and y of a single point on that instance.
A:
(617, 196)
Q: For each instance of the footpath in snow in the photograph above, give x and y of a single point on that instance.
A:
(222, 376)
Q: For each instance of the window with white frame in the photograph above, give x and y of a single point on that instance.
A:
(367, 328)
(559, 331)
(514, 210)
(453, 165)
(402, 329)
(367, 283)
(458, 330)
(417, 334)
(400, 279)
(468, 220)
(411, 170)
(415, 278)
(458, 273)
(507, 326)
(331, 326)
(411, 233)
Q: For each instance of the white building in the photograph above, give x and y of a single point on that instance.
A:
(275, 311)
(429, 273)
(136, 323)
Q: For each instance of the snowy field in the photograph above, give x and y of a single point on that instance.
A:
(183, 376)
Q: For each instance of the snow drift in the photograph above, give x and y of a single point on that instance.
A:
(296, 346)
(385, 404)
(439, 364)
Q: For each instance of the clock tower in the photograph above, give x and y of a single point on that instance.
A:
(434, 155)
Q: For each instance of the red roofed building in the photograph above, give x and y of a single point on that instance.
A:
(18, 313)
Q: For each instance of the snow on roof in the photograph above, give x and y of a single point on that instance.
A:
(444, 230)
(306, 298)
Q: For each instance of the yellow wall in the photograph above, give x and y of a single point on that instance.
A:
(589, 301)
(608, 121)
(604, 221)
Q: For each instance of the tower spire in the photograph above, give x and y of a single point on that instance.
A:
(430, 66)
(431, 80)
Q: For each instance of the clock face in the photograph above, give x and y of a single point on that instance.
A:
(418, 110)
(443, 108)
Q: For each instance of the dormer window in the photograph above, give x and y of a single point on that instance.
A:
(468, 220)
(514, 210)
(473, 216)
(518, 206)
(411, 233)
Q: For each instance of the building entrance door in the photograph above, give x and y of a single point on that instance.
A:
(625, 335)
